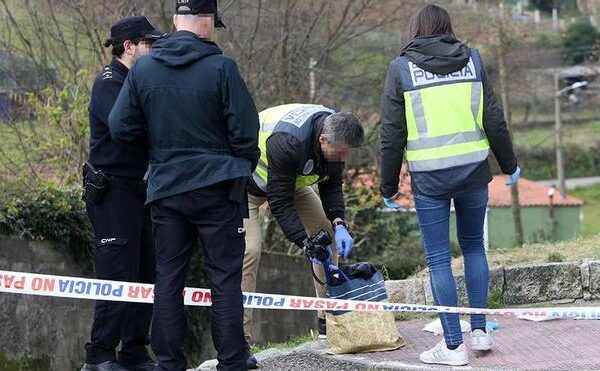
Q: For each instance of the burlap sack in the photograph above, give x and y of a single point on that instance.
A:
(355, 332)
(358, 332)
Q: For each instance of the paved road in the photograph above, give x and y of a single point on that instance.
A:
(573, 183)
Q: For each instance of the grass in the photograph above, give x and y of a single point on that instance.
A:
(496, 300)
(582, 135)
(547, 115)
(25, 363)
(591, 208)
(291, 343)
(573, 250)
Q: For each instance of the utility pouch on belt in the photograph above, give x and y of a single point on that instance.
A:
(95, 184)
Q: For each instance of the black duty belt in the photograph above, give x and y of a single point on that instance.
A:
(126, 184)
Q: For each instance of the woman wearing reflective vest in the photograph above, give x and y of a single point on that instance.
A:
(440, 113)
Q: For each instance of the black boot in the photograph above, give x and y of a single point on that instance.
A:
(251, 361)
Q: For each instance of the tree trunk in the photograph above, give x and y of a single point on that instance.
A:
(504, 94)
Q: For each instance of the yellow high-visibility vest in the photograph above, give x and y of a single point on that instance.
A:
(295, 119)
(444, 116)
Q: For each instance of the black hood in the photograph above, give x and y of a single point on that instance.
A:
(441, 54)
(182, 48)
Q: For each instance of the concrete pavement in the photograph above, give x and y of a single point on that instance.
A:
(563, 344)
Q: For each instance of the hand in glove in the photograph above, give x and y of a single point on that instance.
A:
(514, 177)
(343, 240)
(389, 203)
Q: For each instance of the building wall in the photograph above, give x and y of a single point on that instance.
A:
(536, 225)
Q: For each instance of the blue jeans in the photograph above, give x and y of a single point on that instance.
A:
(434, 220)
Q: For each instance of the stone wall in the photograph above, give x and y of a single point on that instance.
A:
(519, 285)
(288, 275)
(42, 326)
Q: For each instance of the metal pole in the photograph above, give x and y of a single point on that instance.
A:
(560, 166)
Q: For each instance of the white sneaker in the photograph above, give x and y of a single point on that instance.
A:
(441, 355)
(481, 340)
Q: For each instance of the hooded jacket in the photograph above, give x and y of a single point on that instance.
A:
(190, 104)
(439, 54)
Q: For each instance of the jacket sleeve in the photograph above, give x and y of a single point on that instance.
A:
(104, 97)
(126, 121)
(393, 133)
(283, 154)
(241, 115)
(331, 192)
(496, 130)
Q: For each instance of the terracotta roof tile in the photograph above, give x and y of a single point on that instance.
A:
(531, 194)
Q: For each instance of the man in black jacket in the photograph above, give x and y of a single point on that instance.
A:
(115, 196)
(190, 103)
(301, 145)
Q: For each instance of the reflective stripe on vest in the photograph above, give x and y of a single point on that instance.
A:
(445, 124)
(292, 114)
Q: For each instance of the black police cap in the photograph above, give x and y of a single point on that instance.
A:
(199, 7)
(133, 27)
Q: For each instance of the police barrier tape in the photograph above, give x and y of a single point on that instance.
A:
(95, 289)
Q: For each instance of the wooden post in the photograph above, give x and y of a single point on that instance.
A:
(560, 165)
(504, 94)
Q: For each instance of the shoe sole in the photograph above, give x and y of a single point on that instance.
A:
(449, 363)
(481, 347)
(322, 337)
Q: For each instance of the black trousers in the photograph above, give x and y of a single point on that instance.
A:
(178, 222)
(123, 251)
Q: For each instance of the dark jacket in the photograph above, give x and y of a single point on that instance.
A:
(285, 155)
(190, 103)
(113, 158)
(440, 54)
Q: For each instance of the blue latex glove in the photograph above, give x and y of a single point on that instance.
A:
(514, 177)
(389, 203)
(343, 241)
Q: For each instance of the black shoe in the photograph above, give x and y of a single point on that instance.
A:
(104, 366)
(146, 366)
(322, 325)
(251, 361)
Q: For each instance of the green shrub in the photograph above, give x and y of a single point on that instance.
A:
(49, 213)
(579, 42)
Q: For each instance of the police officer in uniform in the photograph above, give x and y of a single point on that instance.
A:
(439, 112)
(189, 102)
(115, 195)
(301, 145)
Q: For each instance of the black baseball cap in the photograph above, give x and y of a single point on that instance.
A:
(133, 27)
(199, 7)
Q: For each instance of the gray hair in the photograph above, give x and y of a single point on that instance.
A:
(343, 127)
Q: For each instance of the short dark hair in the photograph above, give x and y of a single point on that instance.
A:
(430, 20)
(117, 47)
(344, 127)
